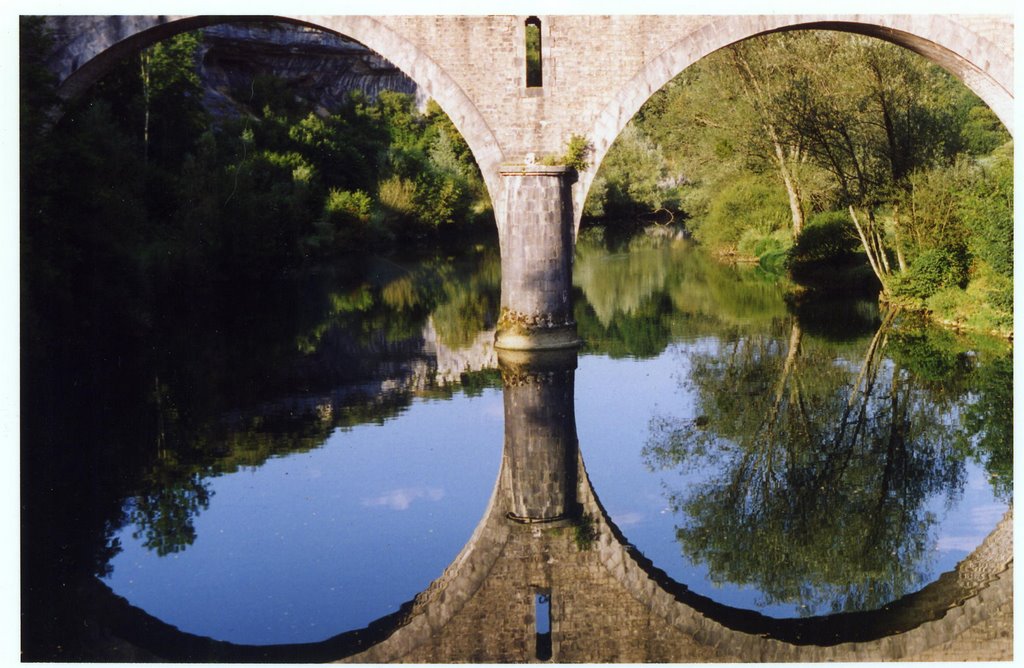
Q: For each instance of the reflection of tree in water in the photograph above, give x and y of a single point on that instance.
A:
(977, 374)
(376, 324)
(988, 424)
(164, 516)
(632, 301)
(393, 301)
(822, 470)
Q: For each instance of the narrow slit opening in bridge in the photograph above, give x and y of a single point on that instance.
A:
(542, 622)
(534, 66)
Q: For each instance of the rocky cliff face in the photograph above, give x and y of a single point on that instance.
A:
(316, 66)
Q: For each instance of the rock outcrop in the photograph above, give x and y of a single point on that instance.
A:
(318, 67)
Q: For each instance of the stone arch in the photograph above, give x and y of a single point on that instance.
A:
(99, 42)
(960, 47)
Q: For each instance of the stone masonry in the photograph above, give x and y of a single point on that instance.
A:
(474, 66)
(536, 237)
(540, 438)
(607, 604)
(608, 607)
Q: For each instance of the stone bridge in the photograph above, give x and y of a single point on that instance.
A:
(594, 74)
(545, 532)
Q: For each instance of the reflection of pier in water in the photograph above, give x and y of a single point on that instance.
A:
(547, 575)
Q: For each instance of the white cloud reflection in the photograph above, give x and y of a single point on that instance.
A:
(628, 519)
(401, 499)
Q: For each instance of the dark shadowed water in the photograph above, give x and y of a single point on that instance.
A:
(309, 458)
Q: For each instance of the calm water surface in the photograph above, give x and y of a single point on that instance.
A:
(790, 460)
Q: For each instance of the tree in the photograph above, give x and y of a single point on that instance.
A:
(830, 122)
(765, 68)
(630, 180)
(171, 96)
(875, 114)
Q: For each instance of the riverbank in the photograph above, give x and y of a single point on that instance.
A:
(974, 308)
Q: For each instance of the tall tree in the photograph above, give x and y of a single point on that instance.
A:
(875, 114)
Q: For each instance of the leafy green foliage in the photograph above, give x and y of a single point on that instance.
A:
(826, 239)
(986, 305)
(576, 156)
(982, 132)
(577, 153)
(628, 181)
(344, 206)
(746, 203)
(785, 128)
(932, 270)
(987, 209)
(275, 188)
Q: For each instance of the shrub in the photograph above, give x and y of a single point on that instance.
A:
(931, 271)
(748, 241)
(986, 305)
(628, 181)
(343, 206)
(444, 158)
(345, 221)
(596, 198)
(826, 257)
(825, 238)
(302, 171)
(439, 201)
(982, 132)
(988, 212)
(773, 263)
(755, 243)
(577, 153)
(747, 202)
(398, 196)
(948, 304)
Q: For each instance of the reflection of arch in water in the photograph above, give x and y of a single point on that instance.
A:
(608, 603)
(902, 630)
(617, 606)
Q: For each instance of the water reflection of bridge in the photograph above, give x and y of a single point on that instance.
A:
(545, 534)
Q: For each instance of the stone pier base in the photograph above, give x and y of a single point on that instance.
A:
(535, 229)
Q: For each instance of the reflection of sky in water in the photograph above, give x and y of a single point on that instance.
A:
(971, 520)
(314, 544)
(636, 498)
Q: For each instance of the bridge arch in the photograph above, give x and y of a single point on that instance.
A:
(99, 46)
(968, 55)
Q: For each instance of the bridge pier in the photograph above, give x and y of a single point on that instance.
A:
(541, 447)
(535, 230)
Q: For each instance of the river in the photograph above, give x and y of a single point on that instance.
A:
(304, 458)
